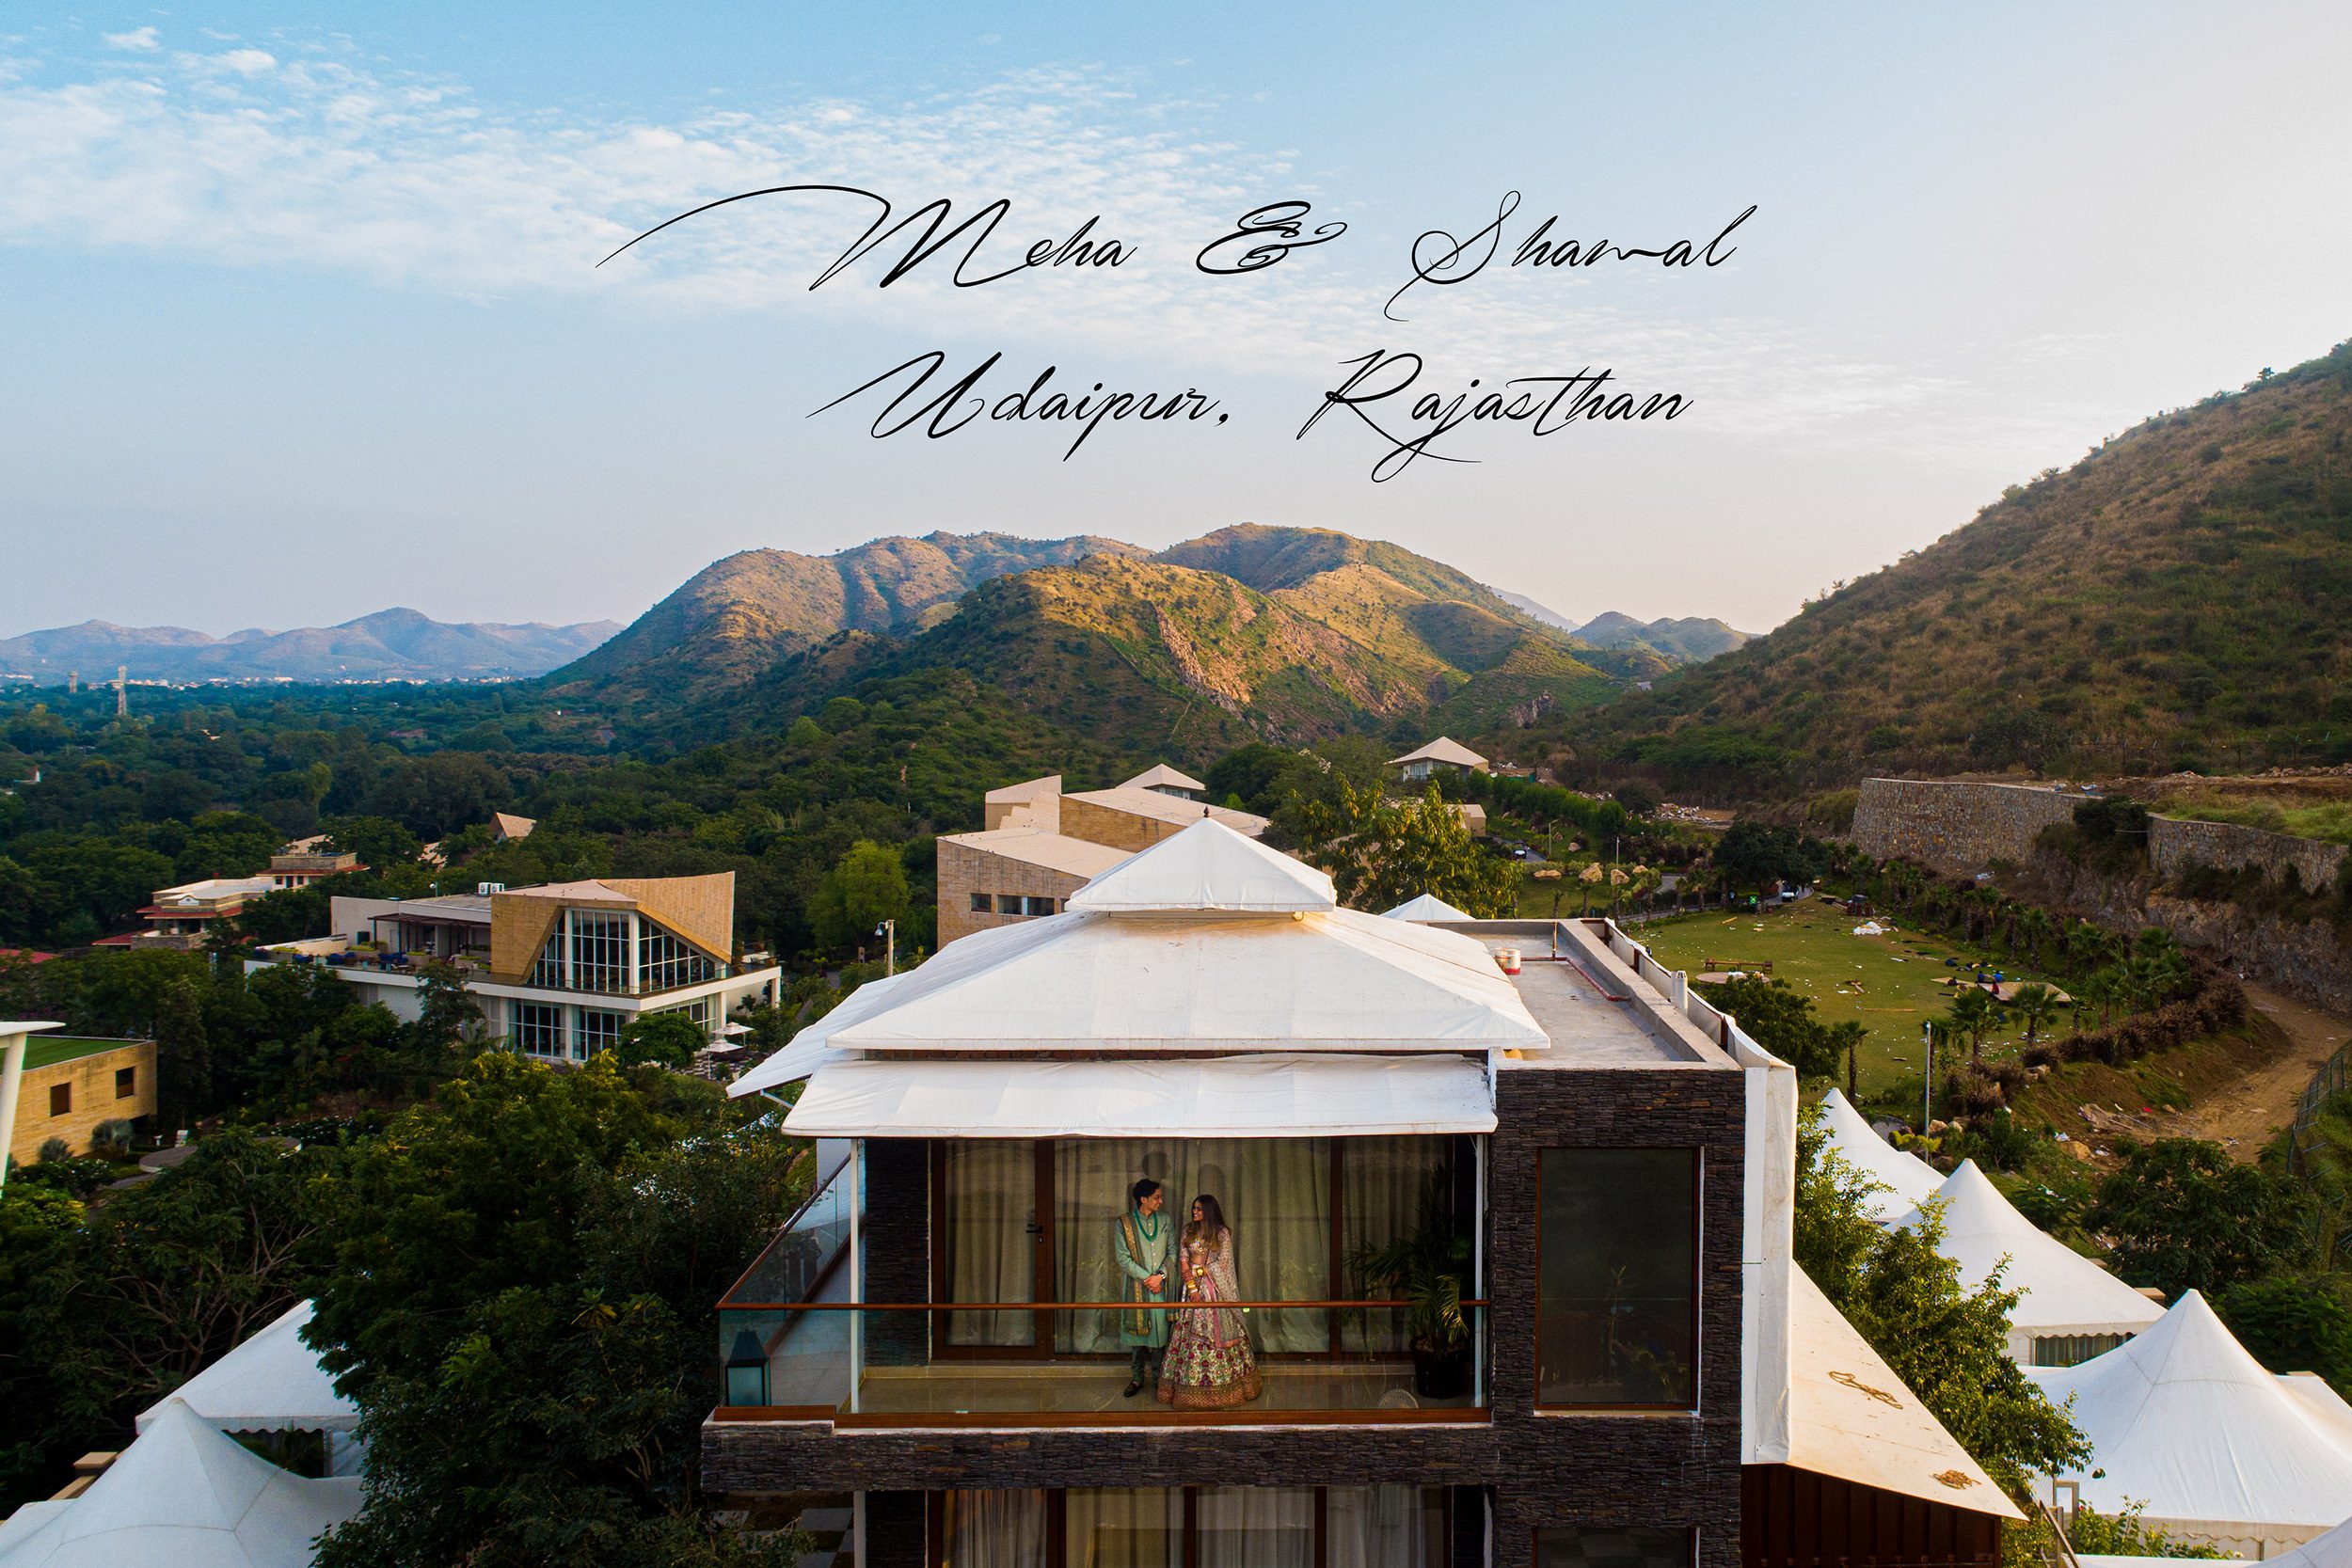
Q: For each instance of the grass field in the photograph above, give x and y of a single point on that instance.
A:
(1887, 983)
(49, 1050)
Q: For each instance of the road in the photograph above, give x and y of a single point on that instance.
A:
(2258, 1106)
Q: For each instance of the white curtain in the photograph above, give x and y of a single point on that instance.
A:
(995, 1530)
(1125, 1528)
(992, 1202)
(1384, 1526)
(1277, 1197)
(1381, 1185)
(1256, 1527)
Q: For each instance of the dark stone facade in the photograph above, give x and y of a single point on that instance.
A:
(1597, 1470)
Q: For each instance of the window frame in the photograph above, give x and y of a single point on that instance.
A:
(1187, 1552)
(126, 1082)
(1698, 1275)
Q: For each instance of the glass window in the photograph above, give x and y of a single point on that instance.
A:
(989, 1529)
(599, 950)
(1617, 1287)
(1256, 1527)
(126, 1082)
(2072, 1350)
(1123, 1528)
(1390, 1189)
(538, 1029)
(666, 960)
(60, 1099)
(1612, 1548)
(983, 904)
(548, 972)
(599, 1030)
(991, 1251)
(1038, 906)
(1384, 1526)
(698, 1009)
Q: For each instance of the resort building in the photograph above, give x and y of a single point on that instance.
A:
(1493, 1261)
(1442, 754)
(296, 866)
(1039, 845)
(559, 969)
(181, 917)
(67, 1088)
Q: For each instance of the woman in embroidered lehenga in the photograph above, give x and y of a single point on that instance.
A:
(1209, 1365)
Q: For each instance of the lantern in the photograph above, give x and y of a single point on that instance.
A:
(747, 1370)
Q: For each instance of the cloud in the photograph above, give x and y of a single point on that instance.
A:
(139, 40)
(246, 62)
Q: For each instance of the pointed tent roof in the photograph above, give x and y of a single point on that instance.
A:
(2184, 1420)
(1909, 1180)
(1161, 776)
(1428, 905)
(2332, 1549)
(271, 1383)
(1444, 749)
(186, 1494)
(1207, 868)
(2062, 1290)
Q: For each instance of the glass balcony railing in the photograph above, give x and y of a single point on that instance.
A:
(1021, 1364)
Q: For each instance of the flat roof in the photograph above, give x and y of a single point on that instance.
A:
(470, 909)
(49, 1050)
(1168, 808)
(1078, 857)
(1596, 1011)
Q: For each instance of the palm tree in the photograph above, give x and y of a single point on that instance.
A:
(1975, 1014)
(2034, 1005)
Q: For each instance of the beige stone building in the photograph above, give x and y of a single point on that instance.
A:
(1039, 845)
(70, 1088)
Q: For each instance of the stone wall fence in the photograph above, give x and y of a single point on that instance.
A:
(2175, 843)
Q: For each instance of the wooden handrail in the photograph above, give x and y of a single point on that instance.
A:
(1056, 1305)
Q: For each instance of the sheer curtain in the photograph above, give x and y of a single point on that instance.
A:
(1277, 1197)
(995, 1530)
(1256, 1527)
(1382, 1182)
(1125, 1528)
(992, 1202)
(1384, 1526)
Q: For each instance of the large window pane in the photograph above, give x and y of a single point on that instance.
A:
(1612, 1548)
(991, 1255)
(1256, 1527)
(1619, 1322)
(1389, 1189)
(1386, 1527)
(1112, 1528)
(994, 1529)
(1277, 1197)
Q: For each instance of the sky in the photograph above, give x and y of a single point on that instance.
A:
(301, 313)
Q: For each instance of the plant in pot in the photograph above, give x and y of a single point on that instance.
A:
(1425, 1269)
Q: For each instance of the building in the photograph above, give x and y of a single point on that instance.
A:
(181, 917)
(1037, 846)
(505, 827)
(1439, 755)
(1601, 1164)
(298, 866)
(69, 1089)
(558, 969)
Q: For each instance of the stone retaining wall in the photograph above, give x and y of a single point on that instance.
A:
(1955, 828)
(2175, 843)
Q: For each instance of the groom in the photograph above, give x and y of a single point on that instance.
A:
(1140, 1246)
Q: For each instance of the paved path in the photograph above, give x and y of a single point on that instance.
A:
(2244, 1116)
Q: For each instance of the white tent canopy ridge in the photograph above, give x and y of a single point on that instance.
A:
(1907, 1179)
(1272, 1095)
(273, 1382)
(1427, 906)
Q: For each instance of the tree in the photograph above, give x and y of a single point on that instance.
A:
(1973, 1015)
(1947, 1343)
(183, 1056)
(2292, 1323)
(664, 1039)
(2185, 1217)
(1380, 854)
(1782, 1022)
(2035, 1005)
(1751, 853)
(866, 887)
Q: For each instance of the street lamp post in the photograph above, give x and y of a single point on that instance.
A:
(888, 931)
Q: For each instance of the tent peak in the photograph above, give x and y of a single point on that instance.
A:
(1207, 868)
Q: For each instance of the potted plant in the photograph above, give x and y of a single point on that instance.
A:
(1425, 1269)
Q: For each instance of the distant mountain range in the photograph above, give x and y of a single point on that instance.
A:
(1689, 639)
(1247, 632)
(390, 645)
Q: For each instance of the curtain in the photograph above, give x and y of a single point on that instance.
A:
(1386, 1527)
(992, 1202)
(1256, 1527)
(1129, 1527)
(1382, 1182)
(1277, 1197)
(995, 1530)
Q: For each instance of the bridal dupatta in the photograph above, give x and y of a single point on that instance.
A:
(1209, 1275)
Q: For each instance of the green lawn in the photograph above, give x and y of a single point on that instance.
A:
(49, 1050)
(1887, 983)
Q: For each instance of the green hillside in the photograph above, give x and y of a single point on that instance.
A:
(2175, 599)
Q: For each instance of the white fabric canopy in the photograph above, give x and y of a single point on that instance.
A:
(1286, 1096)
(2061, 1292)
(2222, 1452)
(1909, 1180)
(2332, 1549)
(1427, 906)
(186, 1496)
(271, 1383)
(1207, 868)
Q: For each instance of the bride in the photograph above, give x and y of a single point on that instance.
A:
(1209, 1365)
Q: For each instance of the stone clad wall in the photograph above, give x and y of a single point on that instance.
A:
(91, 1098)
(2175, 843)
(1955, 828)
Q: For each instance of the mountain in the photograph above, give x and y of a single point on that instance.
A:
(1250, 632)
(1689, 639)
(1545, 614)
(390, 645)
(739, 616)
(2175, 599)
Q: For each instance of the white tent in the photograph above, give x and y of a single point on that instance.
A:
(1207, 868)
(2332, 1549)
(2221, 1451)
(2062, 1293)
(271, 1383)
(185, 1496)
(1908, 1179)
(1427, 906)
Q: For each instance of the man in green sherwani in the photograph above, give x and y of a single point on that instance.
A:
(1141, 1243)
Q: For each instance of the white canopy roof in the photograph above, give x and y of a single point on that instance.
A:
(2331, 1549)
(2184, 1420)
(1426, 906)
(1909, 1180)
(186, 1496)
(1207, 868)
(1253, 1096)
(1851, 1417)
(271, 1383)
(1444, 749)
(2062, 1291)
